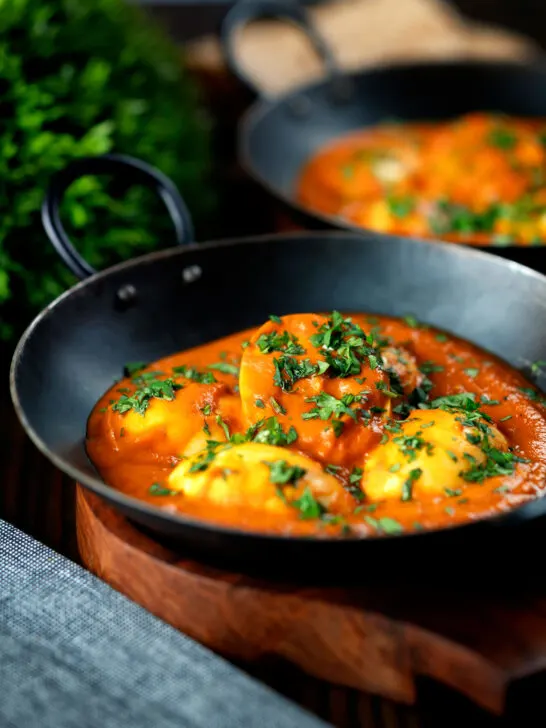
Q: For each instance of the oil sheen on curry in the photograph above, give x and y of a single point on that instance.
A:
(478, 179)
(325, 425)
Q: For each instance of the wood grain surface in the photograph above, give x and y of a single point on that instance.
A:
(376, 639)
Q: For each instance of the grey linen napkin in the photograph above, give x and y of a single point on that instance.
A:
(75, 653)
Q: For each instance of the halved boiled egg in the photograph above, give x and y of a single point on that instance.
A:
(262, 477)
(320, 376)
(427, 456)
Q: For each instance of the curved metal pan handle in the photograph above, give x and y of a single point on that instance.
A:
(246, 11)
(135, 171)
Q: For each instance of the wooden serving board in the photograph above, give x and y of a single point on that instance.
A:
(483, 644)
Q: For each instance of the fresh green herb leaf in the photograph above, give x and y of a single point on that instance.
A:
(160, 490)
(275, 341)
(328, 406)
(407, 488)
(275, 319)
(441, 337)
(412, 321)
(429, 367)
(308, 506)
(288, 370)
(338, 427)
(502, 138)
(452, 492)
(223, 424)
(140, 399)
(194, 374)
(276, 406)
(537, 367)
(270, 432)
(504, 419)
(449, 510)
(281, 473)
(385, 525)
(471, 372)
(259, 403)
(401, 206)
(225, 368)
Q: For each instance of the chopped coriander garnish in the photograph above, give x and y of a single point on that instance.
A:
(158, 489)
(429, 367)
(410, 444)
(496, 463)
(401, 206)
(275, 319)
(259, 403)
(206, 409)
(407, 488)
(502, 489)
(412, 321)
(194, 374)
(280, 472)
(504, 419)
(223, 424)
(308, 506)
(452, 492)
(394, 468)
(533, 395)
(140, 400)
(206, 457)
(332, 469)
(382, 387)
(345, 346)
(353, 486)
(441, 337)
(327, 406)
(275, 341)
(276, 406)
(102, 410)
(270, 432)
(471, 372)
(338, 426)
(384, 525)
(225, 368)
(288, 370)
(502, 138)
(537, 366)
(449, 510)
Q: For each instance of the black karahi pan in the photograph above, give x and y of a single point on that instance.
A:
(174, 299)
(278, 135)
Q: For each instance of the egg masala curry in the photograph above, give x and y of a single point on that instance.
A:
(325, 425)
(478, 179)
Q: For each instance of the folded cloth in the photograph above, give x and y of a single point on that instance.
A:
(75, 653)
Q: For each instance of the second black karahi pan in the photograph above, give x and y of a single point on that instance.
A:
(278, 135)
(175, 299)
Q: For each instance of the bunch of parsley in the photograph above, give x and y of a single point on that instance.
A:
(78, 78)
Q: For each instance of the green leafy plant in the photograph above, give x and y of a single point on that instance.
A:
(79, 78)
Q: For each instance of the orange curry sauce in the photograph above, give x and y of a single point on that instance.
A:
(478, 179)
(326, 425)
